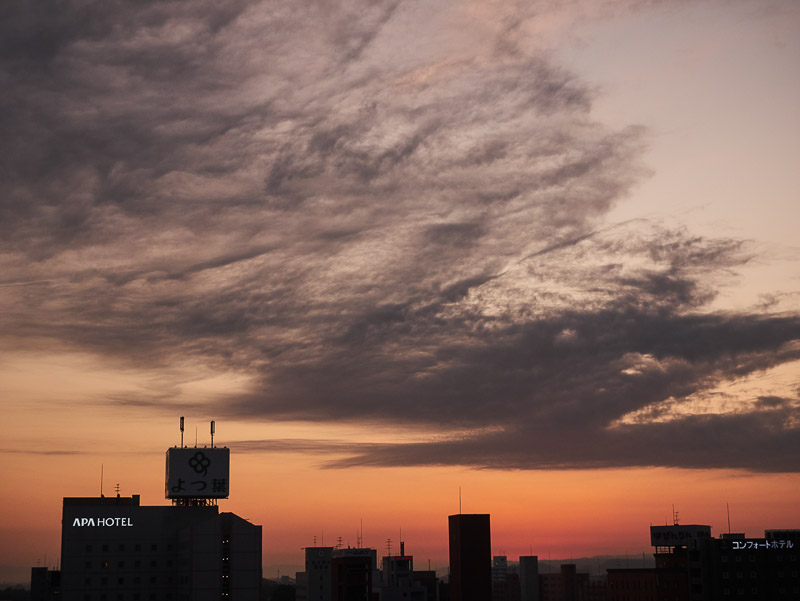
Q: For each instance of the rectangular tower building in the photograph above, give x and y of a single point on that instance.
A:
(470, 557)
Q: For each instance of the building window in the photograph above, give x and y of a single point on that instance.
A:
(121, 547)
(137, 547)
(88, 564)
(105, 547)
(121, 564)
(154, 547)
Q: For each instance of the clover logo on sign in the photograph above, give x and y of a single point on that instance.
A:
(199, 463)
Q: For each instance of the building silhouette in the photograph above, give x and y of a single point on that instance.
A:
(113, 548)
(470, 557)
(529, 577)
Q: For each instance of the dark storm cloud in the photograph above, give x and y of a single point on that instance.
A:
(378, 211)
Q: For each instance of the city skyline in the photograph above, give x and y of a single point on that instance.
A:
(542, 252)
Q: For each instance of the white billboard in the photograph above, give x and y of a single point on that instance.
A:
(198, 473)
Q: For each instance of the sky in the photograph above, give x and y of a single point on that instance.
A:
(541, 252)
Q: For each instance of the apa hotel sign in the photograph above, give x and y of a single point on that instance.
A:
(79, 522)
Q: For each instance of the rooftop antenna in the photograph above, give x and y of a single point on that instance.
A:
(101, 479)
(181, 431)
(674, 516)
(195, 437)
(728, 507)
(212, 433)
(116, 488)
(459, 500)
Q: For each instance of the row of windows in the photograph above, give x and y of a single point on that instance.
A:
(779, 574)
(105, 581)
(752, 558)
(128, 597)
(122, 547)
(740, 591)
(137, 563)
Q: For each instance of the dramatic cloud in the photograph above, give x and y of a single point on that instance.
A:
(377, 211)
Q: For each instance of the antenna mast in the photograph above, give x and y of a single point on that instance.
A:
(181, 431)
(212, 433)
(728, 507)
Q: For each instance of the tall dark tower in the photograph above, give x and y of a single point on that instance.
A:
(470, 557)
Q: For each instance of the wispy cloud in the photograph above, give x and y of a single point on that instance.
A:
(372, 229)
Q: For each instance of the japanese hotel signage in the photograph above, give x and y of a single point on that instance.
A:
(197, 473)
(82, 522)
(760, 543)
